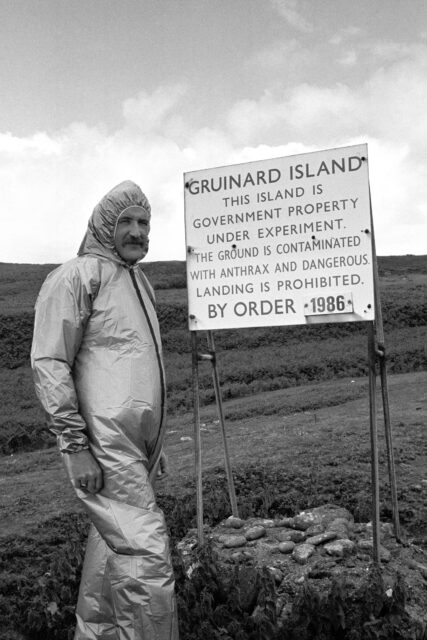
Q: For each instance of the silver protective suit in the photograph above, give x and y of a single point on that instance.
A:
(98, 371)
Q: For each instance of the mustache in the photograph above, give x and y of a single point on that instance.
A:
(140, 243)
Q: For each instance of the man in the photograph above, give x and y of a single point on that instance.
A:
(98, 371)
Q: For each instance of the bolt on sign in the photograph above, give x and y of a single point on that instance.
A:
(283, 241)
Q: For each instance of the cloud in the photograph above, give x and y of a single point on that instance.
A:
(148, 112)
(349, 58)
(51, 182)
(346, 34)
(292, 11)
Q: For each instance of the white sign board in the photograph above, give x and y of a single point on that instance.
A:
(283, 241)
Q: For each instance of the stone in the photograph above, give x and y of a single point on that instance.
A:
(276, 573)
(337, 522)
(285, 522)
(303, 552)
(255, 532)
(321, 515)
(286, 547)
(340, 548)
(306, 519)
(230, 542)
(293, 535)
(237, 556)
(314, 530)
(368, 545)
(341, 526)
(266, 522)
(321, 538)
(233, 523)
(329, 512)
(422, 568)
(386, 529)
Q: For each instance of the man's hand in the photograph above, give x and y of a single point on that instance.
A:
(163, 467)
(85, 472)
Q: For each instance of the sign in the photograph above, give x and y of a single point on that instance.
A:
(283, 241)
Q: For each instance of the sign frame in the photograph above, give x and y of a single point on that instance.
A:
(346, 313)
(250, 265)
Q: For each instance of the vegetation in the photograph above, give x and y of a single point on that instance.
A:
(286, 370)
(40, 571)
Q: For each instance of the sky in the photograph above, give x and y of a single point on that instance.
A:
(94, 92)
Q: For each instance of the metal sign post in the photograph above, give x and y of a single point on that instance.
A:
(381, 354)
(374, 443)
(197, 439)
(281, 242)
(211, 357)
(230, 481)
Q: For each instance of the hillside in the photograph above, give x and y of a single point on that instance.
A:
(20, 283)
(296, 406)
(250, 360)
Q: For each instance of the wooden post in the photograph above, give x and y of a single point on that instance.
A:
(229, 472)
(374, 444)
(197, 440)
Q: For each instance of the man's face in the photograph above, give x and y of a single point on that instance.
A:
(131, 237)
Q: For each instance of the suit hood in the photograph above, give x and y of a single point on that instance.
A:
(99, 237)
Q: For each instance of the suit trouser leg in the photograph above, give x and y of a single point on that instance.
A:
(125, 597)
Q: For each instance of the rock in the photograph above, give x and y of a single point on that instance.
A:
(422, 568)
(237, 556)
(340, 548)
(276, 573)
(314, 530)
(306, 519)
(341, 527)
(266, 522)
(286, 547)
(321, 515)
(359, 527)
(386, 529)
(321, 538)
(255, 532)
(368, 545)
(233, 523)
(345, 522)
(294, 536)
(285, 522)
(230, 542)
(303, 552)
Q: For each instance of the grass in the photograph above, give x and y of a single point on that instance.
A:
(297, 420)
(313, 448)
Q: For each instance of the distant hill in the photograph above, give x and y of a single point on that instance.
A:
(20, 283)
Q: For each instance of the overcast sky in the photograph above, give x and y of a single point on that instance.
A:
(94, 92)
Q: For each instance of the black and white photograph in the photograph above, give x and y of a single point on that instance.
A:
(213, 302)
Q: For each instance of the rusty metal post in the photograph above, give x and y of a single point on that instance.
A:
(380, 349)
(197, 439)
(228, 469)
(374, 443)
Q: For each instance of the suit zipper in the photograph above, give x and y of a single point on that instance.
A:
(156, 345)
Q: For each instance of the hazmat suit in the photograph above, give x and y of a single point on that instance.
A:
(98, 371)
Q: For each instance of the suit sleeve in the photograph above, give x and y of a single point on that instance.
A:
(62, 311)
